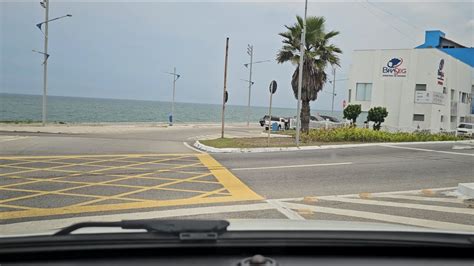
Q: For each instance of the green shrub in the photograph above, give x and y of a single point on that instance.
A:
(350, 134)
(351, 112)
(377, 115)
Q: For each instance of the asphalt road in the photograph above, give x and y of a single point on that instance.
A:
(351, 170)
(159, 140)
(403, 184)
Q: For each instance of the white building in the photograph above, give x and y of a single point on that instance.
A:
(428, 87)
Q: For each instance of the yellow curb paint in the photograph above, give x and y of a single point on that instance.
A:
(427, 192)
(365, 195)
(310, 199)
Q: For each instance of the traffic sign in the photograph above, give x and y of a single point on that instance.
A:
(273, 87)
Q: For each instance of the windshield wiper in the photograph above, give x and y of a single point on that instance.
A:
(185, 229)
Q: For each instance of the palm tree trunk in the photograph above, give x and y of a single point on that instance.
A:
(305, 114)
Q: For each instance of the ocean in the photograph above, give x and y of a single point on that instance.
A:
(22, 107)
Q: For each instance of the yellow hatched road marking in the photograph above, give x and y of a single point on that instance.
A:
(77, 173)
(238, 191)
(145, 189)
(66, 189)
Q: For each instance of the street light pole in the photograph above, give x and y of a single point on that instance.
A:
(175, 78)
(250, 52)
(45, 5)
(224, 96)
(333, 89)
(300, 76)
(174, 92)
(45, 65)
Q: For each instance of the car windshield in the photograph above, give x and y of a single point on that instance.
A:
(465, 126)
(121, 110)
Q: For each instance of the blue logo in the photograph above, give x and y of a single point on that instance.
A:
(394, 69)
(394, 62)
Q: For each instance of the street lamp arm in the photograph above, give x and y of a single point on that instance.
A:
(41, 24)
(45, 54)
(257, 62)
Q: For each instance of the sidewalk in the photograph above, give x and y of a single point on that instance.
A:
(84, 128)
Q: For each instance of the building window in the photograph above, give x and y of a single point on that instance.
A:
(442, 118)
(350, 95)
(445, 91)
(418, 117)
(461, 119)
(453, 119)
(464, 97)
(452, 95)
(363, 91)
(420, 87)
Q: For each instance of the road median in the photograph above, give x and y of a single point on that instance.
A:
(207, 148)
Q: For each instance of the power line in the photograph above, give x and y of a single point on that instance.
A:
(383, 20)
(402, 19)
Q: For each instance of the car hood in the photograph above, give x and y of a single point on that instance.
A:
(271, 225)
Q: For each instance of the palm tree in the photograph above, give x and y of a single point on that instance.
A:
(318, 54)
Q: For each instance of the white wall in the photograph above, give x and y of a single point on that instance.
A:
(397, 93)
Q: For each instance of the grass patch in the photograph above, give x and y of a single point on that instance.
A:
(261, 142)
(248, 142)
(318, 137)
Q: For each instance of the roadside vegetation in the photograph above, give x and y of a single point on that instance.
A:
(318, 137)
(364, 135)
(261, 142)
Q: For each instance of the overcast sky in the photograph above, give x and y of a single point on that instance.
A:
(121, 49)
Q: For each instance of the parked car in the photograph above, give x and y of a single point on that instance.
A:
(331, 118)
(265, 118)
(283, 123)
(465, 129)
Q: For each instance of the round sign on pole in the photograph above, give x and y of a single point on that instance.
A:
(273, 87)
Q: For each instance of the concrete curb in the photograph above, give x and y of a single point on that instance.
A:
(466, 189)
(206, 148)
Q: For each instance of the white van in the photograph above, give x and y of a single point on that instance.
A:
(282, 123)
(465, 129)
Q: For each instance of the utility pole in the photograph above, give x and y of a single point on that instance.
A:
(225, 96)
(175, 78)
(333, 88)
(249, 52)
(174, 92)
(300, 76)
(45, 65)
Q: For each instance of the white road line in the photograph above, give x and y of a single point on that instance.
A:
(12, 138)
(48, 226)
(414, 192)
(431, 199)
(290, 214)
(401, 205)
(428, 150)
(290, 166)
(192, 148)
(384, 217)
